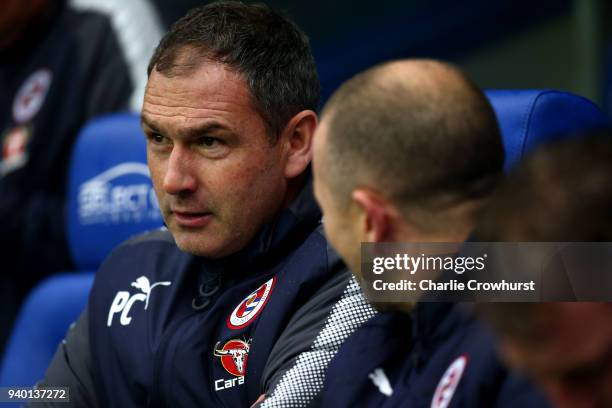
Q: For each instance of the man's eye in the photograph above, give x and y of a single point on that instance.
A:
(157, 138)
(208, 141)
(212, 147)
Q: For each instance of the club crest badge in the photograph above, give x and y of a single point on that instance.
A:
(233, 355)
(31, 95)
(251, 306)
(448, 384)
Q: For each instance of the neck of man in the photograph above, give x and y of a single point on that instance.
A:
(459, 222)
(294, 188)
(455, 223)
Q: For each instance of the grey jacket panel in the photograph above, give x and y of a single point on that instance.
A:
(298, 363)
(71, 367)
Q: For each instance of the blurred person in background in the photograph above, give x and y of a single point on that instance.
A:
(561, 193)
(62, 63)
(409, 151)
(188, 316)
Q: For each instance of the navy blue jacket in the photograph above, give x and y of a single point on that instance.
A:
(165, 328)
(439, 356)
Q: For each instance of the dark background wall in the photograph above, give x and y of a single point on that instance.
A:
(562, 44)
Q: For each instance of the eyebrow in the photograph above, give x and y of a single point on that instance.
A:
(187, 132)
(144, 121)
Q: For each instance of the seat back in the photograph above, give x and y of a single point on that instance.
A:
(110, 199)
(529, 118)
(42, 323)
(109, 189)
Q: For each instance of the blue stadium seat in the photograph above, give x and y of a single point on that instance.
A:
(529, 118)
(43, 320)
(110, 193)
(110, 198)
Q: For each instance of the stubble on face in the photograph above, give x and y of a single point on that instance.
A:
(209, 155)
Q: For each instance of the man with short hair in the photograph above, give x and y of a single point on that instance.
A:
(409, 151)
(560, 193)
(189, 316)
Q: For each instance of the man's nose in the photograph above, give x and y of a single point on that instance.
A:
(179, 177)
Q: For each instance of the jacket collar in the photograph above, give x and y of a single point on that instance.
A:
(287, 230)
(433, 318)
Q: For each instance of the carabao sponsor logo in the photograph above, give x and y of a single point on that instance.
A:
(103, 200)
(14, 143)
(223, 384)
(233, 356)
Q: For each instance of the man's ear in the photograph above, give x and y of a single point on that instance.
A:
(376, 215)
(297, 137)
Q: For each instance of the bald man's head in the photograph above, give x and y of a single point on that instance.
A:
(416, 131)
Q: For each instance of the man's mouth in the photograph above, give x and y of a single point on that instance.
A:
(189, 219)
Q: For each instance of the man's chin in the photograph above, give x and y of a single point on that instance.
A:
(197, 246)
(203, 245)
(384, 307)
(204, 252)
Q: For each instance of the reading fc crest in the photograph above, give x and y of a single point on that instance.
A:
(251, 306)
(448, 384)
(31, 95)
